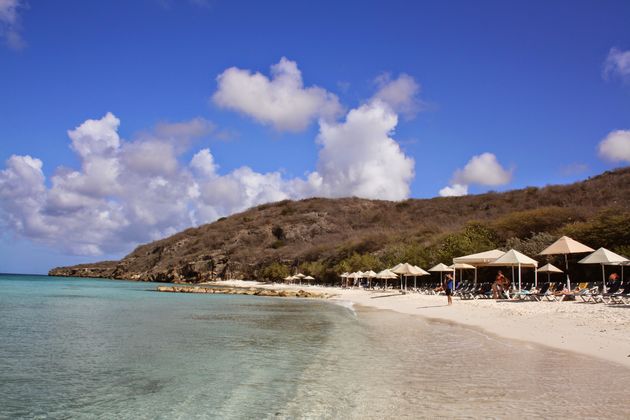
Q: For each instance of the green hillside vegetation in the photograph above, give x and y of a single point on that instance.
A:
(325, 237)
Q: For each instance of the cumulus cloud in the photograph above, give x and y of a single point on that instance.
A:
(616, 146)
(126, 192)
(360, 158)
(281, 101)
(617, 64)
(401, 94)
(455, 190)
(129, 192)
(483, 169)
(10, 23)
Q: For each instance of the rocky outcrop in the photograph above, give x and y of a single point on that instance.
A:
(243, 291)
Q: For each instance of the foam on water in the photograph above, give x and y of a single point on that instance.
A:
(109, 349)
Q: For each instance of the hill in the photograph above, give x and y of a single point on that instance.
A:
(324, 237)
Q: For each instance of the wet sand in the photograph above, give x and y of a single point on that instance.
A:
(597, 330)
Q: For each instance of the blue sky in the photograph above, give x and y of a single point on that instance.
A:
(474, 96)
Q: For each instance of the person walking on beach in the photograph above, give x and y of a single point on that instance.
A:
(448, 288)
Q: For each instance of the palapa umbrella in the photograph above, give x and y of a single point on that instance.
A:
(565, 246)
(405, 270)
(513, 258)
(288, 278)
(421, 272)
(549, 268)
(603, 257)
(299, 277)
(370, 275)
(441, 268)
(386, 275)
(345, 276)
(309, 278)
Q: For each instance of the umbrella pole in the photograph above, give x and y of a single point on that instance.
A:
(519, 277)
(604, 278)
(536, 277)
(566, 265)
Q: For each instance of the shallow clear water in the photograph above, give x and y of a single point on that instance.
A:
(84, 348)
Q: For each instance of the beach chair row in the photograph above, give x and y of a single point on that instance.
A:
(617, 293)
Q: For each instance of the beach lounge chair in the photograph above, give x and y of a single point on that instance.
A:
(525, 293)
(591, 294)
(542, 293)
(463, 286)
(484, 291)
(582, 289)
(613, 289)
(468, 291)
(622, 296)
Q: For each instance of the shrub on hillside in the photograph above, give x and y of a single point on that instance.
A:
(475, 237)
(609, 229)
(524, 224)
(274, 272)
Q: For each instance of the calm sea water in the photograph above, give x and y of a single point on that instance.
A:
(82, 348)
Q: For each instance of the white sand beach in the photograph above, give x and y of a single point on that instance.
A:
(597, 330)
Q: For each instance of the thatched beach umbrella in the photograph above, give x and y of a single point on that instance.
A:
(565, 246)
(370, 275)
(344, 276)
(603, 257)
(309, 278)
(420, 272)
(407, 269)
(386, 275)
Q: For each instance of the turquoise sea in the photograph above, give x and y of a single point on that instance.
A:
(87, 348)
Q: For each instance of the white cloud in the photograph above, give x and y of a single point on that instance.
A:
(483, 169)
(10, 23)
(96, 137)
(127, 192)
(360, 158)
(455, 190)
(281, 101)
(185, 130)
(401, 93)
(617, 64)
(616, 146)
(123, 194)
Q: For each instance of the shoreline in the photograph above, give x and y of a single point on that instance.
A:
(596, 330)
